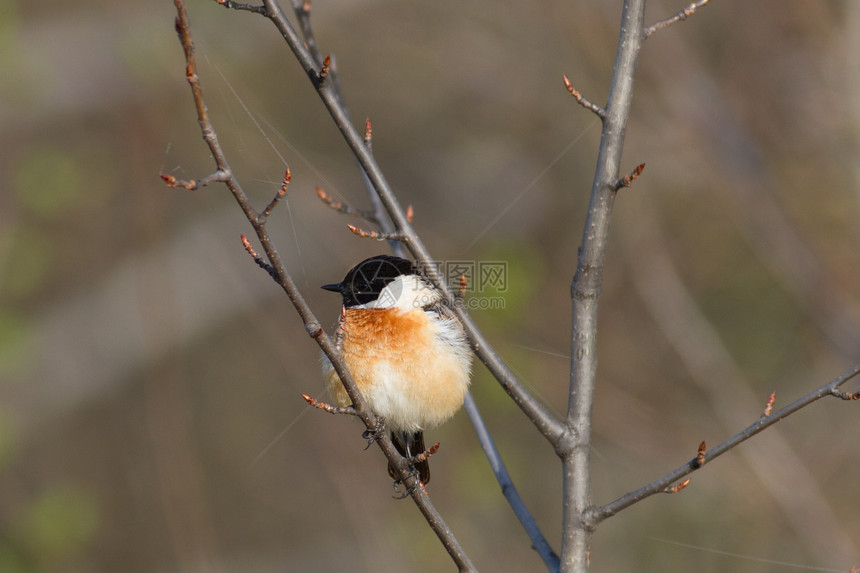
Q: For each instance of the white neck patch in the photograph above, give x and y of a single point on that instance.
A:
(405, 292)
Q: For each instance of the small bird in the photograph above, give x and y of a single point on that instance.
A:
(405, 349)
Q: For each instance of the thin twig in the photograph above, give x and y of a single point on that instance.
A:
(348, 410)
(628, 179)
(599, 111)
(377, 235)
(192, 184)
(282, 192)
(598, 514)
(681, 15)
(342, 207)
(256, 8)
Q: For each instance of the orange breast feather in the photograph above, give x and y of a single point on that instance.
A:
(407, 374)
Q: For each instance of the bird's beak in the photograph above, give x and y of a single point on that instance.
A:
(334, 287)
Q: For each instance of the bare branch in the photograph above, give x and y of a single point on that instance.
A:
(681, 15)
(260, 262)
(282, 192)
(342, 207)
(585, 292)
(243, 6)
(845, 395)
(599, 111)
(598, 514)
(192, 184)
(348, 410)
(377, 235)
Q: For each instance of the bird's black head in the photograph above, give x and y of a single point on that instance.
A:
(363, 284)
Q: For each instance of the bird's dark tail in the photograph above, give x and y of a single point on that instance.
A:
(411, 444)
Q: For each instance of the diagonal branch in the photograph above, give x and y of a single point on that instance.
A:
(312, 325)
(598, 514)
(677, 17)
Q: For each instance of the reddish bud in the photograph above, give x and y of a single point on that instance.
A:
(248, 247)
(768, 408)
(700, 456)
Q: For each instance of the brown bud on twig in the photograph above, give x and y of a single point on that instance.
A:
(425, 455)
(368, 132)
(282, 192)
(349, 410)
(260, 262)
(325, 69)
(248, 246)
(845, 395)
(377, 235)
(700, 456)
(628, 179)
(768, 408)
(193, 184)
(174, 182)
(601, 113)
(677, 487)
(341, 207)
(463, 285)
(681, 15)
(410, 213)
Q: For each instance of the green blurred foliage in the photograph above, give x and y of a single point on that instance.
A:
(16, 345)
(28, 255)
(48, 182)
(58, 524)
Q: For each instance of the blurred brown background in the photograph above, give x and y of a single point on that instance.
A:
(150, 417)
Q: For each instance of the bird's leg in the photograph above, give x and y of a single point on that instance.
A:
(373, 434)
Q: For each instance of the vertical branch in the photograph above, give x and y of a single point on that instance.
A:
(585, 292)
